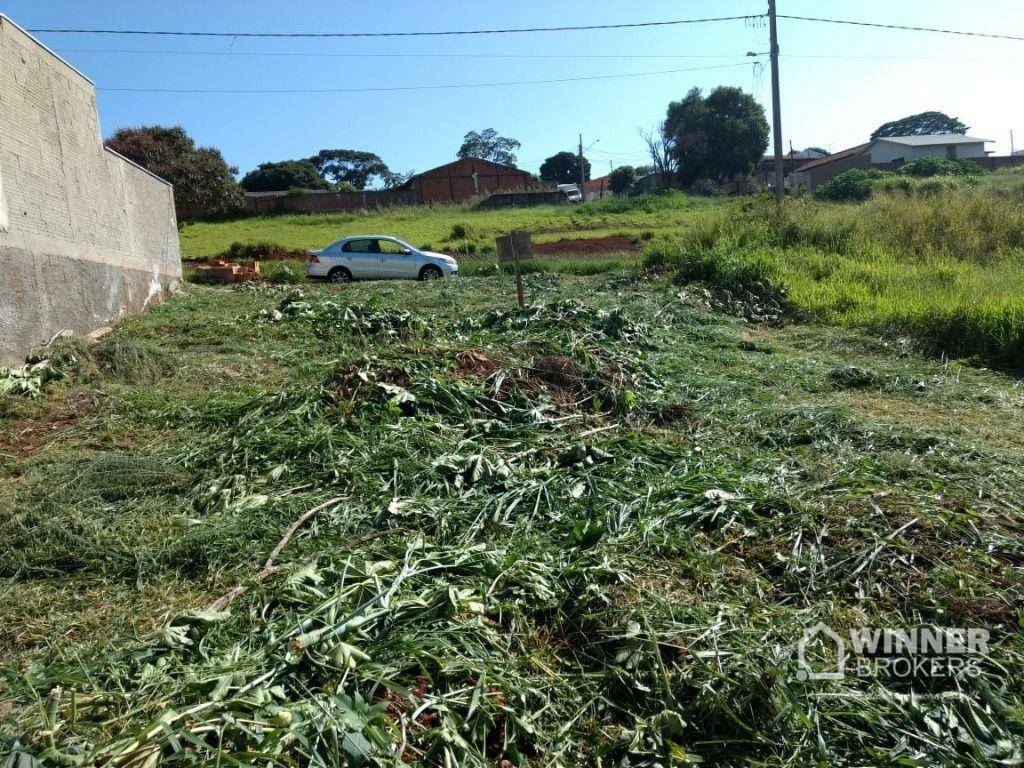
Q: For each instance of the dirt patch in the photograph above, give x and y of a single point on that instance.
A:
(475, 362)
(587, 246)
(25, 436)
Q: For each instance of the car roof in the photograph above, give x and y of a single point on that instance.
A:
(370, 237)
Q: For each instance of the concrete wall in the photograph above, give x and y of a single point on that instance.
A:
(86, 236)
(327, 202)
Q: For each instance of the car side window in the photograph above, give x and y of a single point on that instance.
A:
(360, 246)
(390, 246)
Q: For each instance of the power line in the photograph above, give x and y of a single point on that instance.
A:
(904, 27)
(305, 54)
(510, 30)
(386, 89)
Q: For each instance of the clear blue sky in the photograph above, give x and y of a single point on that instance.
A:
(831, 102)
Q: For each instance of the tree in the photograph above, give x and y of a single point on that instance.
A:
(820, 150)
(351, 166)
(661, 148)
(204, 184)
(488, 145)
(923, 124)
(288, 174)
(564, 168)
(719, 137)
(622, 179)
(395, 179)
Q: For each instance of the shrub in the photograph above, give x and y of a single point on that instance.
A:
(282, 273)
(660, 253)
(705, 188)
(925, 167)
(256, 251)
(459, 231)
(850, 186)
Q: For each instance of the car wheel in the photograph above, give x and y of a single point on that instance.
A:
(430, 273)
(339, 275)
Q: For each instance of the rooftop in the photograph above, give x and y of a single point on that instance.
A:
(851, 152)
(933, 139)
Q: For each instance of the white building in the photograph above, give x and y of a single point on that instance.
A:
(887, 152)
(952, 146)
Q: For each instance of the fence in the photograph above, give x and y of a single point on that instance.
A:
(522, 199)
(327, 201)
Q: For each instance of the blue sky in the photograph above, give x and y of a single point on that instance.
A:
(838, 82)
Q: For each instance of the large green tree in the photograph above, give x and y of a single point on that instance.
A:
(719, 137)
(288, 174)
(622, 179)
(488, 145)
(204, 184)
(923, 124)
(564, 168)
(352, 167)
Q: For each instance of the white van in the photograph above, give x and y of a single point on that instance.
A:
(572, 192)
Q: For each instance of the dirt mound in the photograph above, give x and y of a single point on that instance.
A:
(475, 362)
(587, 245)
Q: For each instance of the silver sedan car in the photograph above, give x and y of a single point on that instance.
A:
(372, 257)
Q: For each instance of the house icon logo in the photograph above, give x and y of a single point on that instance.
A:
(820, 636)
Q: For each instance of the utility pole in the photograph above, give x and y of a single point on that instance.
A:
(582, 179)
(780, 189)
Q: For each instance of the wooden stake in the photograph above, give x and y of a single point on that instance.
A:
(519, 272)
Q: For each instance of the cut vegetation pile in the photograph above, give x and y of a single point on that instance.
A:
(408, 525)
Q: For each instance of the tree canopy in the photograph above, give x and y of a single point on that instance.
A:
(353, 167)
(622, 179)
(717, 137)
(923, 124)
(488, 145)
(288, 174)
(564, 168)
(204, 184)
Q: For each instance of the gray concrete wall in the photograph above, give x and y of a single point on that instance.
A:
(86, 236)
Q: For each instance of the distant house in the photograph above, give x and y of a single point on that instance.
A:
(903, 149)
(887, 153)
(469, 177)
(765, 173)
(650, 182)
(596, 189)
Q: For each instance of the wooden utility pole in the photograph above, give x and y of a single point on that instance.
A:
(583, 180)
(780, 181)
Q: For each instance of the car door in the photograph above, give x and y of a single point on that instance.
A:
(397, 260)
(362, 258)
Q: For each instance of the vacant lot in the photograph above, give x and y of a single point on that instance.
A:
(455, 228)
(586, 533)
(940, 263)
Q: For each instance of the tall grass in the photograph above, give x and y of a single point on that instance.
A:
(948, 267)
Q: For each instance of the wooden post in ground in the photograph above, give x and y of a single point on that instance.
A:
(514, 247)
(519, 272)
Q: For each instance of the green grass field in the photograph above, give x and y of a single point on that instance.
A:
(447, 226)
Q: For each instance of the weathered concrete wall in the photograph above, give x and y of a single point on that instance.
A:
(86, 236)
